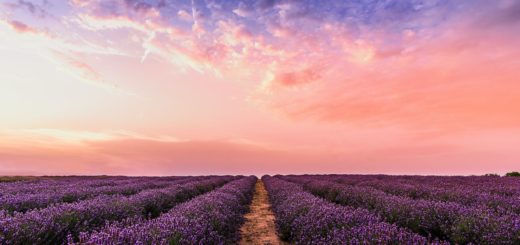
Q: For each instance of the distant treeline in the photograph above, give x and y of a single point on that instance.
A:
(510, 174)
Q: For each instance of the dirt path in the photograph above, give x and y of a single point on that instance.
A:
(259, 227)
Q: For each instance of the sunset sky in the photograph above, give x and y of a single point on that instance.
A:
(168, 87)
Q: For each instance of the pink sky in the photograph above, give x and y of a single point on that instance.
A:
(253, 87)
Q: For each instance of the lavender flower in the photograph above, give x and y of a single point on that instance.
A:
(302, 218)
(54, 223)
(212, 218)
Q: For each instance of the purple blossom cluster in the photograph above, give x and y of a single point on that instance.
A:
(73, 192)
(443, 220)
(503, 186)
(309, 209)
(303, 218)
(53, 224)
(51, 184)
(450, 190)
(212, 218)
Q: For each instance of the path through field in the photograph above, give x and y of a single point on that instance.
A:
(259, 227)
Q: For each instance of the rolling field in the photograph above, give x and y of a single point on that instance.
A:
(295, 209)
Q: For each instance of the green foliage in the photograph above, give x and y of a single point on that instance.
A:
(175, 239)
(513, 174)
(69, 198)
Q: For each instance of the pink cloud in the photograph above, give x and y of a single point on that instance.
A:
(462, 79)
(295, 78)
(148, 157)
(156, 157)
(21, 27)
(436, 84)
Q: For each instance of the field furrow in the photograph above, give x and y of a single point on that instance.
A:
(443, 220)
(302, 218)
(212, 218)
(69, 194)
(259, 227)
(282, 209)
(55, 223)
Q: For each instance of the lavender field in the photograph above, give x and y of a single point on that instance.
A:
(305, 209)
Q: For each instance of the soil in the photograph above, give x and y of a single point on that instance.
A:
(259, 227)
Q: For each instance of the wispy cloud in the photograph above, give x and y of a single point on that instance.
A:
(85, 73)
(23, 28)
(68, 58)
(33, 8)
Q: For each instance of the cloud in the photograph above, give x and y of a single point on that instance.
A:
(442, 78)
(84, 152)
(39, 136)
(21, 27)
(348, 62)
(34, 9)
(84, 72)
(243, 10)
(138, 6)
(67, 54)
(362, 66)
(54, 151)
(185, 16)
(296, 78)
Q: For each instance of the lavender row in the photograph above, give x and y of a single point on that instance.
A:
(213, 218)
(50, 184)
(52, 225)
(453, 189)
(443, 220)
(67, 194)
(502, 186)
(462, 194)
(302, 218)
